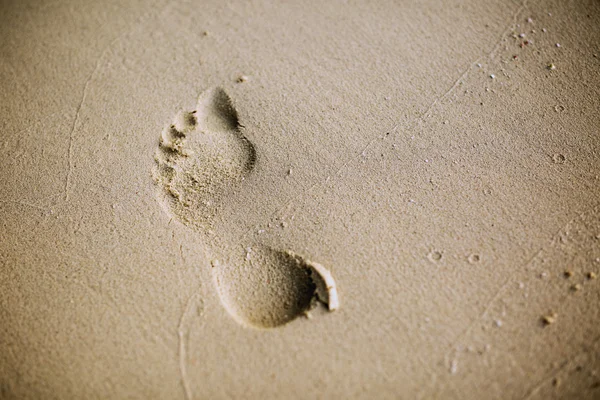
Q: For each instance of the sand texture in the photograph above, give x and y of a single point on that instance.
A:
(281, 200)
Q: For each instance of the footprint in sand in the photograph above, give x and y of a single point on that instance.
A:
(203, 157)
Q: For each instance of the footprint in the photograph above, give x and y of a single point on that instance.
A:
(202, 158)
(269, 287)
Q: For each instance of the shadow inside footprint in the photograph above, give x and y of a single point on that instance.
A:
(266, 288)
(216, 113)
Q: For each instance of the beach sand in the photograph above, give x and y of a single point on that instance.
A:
(350, 199)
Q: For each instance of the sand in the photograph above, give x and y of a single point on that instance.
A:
(210, 200)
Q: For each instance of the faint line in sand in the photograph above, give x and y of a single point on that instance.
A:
(74, 126)
(294, 197)
(556, 371)
(183, 333)
(471, 64)
(84, 92)
(509, 281)
(485, 311)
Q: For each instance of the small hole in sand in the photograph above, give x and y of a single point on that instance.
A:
(435, 255)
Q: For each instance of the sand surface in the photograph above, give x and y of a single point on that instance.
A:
(346, 199)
